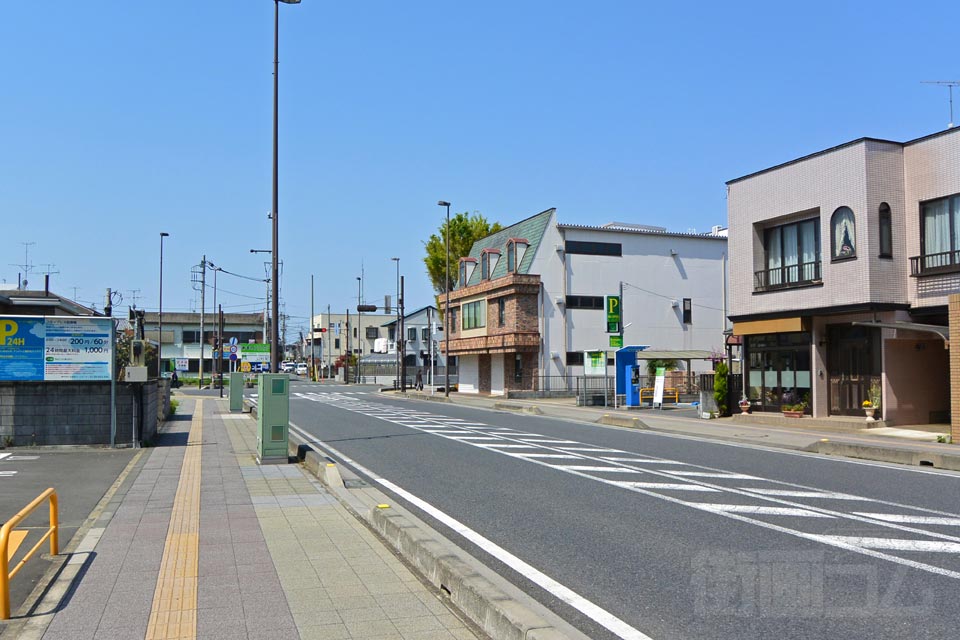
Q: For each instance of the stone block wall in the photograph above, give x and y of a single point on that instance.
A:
(76, 413)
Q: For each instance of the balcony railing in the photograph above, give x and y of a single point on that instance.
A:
(786, 277)
(933, 263)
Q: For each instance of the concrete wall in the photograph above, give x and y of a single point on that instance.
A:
(75, 413)
(918, 381)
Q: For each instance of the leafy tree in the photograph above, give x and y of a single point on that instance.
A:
(465, 229)
(653, 365)
(720, 387)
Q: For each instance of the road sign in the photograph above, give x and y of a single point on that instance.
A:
(613, 314)
(245, 367)
(233, 356)
(233, 349)
(616, 341)
(233, 342)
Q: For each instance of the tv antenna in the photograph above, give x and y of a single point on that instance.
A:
(27, 266)
(135, 294)
(949, 84)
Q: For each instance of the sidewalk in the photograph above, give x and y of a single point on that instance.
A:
(905, 446)
(201, 542)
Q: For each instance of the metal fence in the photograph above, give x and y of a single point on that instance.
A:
(596, 391)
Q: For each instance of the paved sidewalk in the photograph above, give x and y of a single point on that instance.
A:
(204, 543)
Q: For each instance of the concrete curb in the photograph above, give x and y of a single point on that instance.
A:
(480, 600)
(622, 421)
(948, 461)
(522, 408)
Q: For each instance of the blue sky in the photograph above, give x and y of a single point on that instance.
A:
(123, 119)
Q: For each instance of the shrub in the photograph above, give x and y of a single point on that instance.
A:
(720, 387)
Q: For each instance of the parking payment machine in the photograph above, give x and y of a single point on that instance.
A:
(273, 418)
(631, 373)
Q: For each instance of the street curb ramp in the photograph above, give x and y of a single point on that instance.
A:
(484, 603)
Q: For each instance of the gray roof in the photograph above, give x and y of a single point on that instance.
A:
(531, 229)
(619, 227)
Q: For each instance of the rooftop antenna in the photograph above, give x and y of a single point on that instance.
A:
(26, 267)
(135, 294)
(949, 84)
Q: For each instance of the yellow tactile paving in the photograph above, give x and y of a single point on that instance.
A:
(174, 611)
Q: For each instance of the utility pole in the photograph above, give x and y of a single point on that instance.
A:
(313, 372)
(203, 308)
(346, 361)
(402, 343)
(220, 341)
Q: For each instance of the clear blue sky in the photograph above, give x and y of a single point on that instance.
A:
(119, 120)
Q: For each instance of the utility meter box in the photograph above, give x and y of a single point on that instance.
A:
(273, 417)
(236, 391)
(138, 353)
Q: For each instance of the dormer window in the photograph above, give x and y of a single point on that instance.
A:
(467, 265)
(488, 262)
(516, 247)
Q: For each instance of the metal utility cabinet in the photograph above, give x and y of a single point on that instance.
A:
(273, 418)
(236, 391)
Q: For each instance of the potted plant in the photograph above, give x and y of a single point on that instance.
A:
(744, 405)
(794, 410)
(869, 408)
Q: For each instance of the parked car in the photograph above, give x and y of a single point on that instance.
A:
(302, 369)
(287, 367)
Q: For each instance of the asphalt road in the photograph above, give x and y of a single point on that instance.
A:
(80, 476)
(673, 537)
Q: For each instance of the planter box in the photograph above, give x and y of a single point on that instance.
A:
(793, 414)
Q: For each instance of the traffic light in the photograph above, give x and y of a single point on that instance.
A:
(369, 308)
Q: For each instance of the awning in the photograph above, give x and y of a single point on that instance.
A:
(778, 325)
(692, 354)
(943, 332)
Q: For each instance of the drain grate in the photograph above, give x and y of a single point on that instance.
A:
(355, 484)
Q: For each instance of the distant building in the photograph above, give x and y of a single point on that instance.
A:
(18, 302)
(181, 335)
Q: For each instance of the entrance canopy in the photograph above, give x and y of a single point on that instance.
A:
(943, 332)
(691, 354)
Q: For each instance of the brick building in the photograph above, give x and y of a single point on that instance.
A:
(529, 299)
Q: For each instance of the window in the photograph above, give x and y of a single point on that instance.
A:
(886, 231)
(518, 368)
(843, 234)
(511, 256)
(585, 302)
(475, 315)
(501, 311)
(425, 334)
(372, 333)
(593, 248)
(191, 337)
(940, 234)
(574, 358)
(687, 311)
(412, 334)
(355, 332)
(791, 254)
(336, 343)
(485, 266)
(463, 273)
(453, 320)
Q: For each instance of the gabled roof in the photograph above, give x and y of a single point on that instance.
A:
(28, 298)
(532, 229)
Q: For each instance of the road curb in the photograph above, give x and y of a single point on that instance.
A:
(522, 408)
(477, 598)
(948, 461)
(622, 421)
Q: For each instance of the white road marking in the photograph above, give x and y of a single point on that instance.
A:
(712, 474)
(505, 446)
(4, 455)
(790, 493)
(472, 438)
(7, 474)
(758, 510)
(588, 450)
(895, 544)
(911, 519)
(644, 461)
(577, 467)
(522, 454)
(21, 458)
(663, 485)
(540, 441)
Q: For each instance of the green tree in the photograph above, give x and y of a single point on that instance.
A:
(720, 387)
(465, 229)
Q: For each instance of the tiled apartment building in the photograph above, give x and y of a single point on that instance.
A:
(841, 265)
(530, 299)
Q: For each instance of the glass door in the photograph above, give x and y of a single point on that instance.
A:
(853, 359)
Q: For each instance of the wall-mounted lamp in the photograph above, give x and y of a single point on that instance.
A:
(674, 303)
(673, 252)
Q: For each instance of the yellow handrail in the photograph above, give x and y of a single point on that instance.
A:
(53, 532)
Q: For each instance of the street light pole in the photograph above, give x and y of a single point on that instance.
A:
(446, 311)
(274, 215)
(359, 325)
(396, 330)
(163, 234)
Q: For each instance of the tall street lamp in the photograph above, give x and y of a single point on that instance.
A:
(163, 234)
(446, 311)
(359, 324)
(396, 330)
(275, 271)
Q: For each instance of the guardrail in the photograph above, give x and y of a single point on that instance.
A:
(53, 533)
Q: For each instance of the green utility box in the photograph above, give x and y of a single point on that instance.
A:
(273, 418)
(236, 391)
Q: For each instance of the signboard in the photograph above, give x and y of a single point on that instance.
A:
(594, 363)
(182, 364)
(55, 348)
(658, 387)
(616, 342)
(613, 314)
(254, 352)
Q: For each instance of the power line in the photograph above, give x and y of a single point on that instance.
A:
(660, 295)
